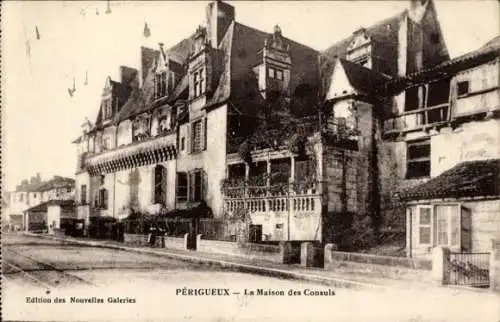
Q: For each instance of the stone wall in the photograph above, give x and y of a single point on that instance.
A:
(381, 266)
(485, 216)
(252, 251)
(392, 168)
(142, 240)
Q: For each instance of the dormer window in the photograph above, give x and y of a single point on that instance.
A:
(362, 61)
(198, 82)
(279, 74)
(107, 109)
(160, 85)
(271, 73)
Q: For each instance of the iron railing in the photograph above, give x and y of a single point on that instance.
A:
(470, 269)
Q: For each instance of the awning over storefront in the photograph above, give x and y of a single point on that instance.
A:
(471, 179)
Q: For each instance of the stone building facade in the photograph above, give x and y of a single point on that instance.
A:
(280, 135)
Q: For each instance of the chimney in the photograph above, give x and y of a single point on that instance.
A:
(219, 16)
(417, 9)
(127, 74)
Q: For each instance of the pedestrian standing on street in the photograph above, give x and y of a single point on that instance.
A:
(162, 236)
(150, 235)
(153, 236)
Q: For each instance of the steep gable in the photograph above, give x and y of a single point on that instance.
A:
(350, 78)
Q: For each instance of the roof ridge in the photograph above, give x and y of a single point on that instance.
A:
(270, 34)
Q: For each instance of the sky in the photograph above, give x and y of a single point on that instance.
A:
(40, 119)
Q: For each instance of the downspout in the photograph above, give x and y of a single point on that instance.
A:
(114, 173)
(114, 194)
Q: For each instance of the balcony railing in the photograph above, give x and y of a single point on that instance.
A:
(418, 119)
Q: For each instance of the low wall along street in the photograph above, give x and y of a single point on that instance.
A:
(142, 240)
(270, 253)
(382, 266)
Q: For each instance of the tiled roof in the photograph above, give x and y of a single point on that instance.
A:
(65, 204)
(57, 182)
(53, 183)
(467, 179)
(364, 79)
(240, 50)
(486, 53)
(381, 31)
(385, 31)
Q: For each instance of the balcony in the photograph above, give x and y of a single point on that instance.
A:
(296, 209)
(136, 154)
(418, 119)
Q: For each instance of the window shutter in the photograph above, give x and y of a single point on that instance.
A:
(204, 133)
(164, 184)
(204, 186)
(188, 138)
(106, 199)
(190, 185)
(465, 230)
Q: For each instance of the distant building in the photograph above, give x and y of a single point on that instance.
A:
(35, 191)
(50, 215)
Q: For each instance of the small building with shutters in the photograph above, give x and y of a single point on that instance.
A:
(457, 209)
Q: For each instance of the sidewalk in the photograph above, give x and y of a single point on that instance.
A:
(317, 275)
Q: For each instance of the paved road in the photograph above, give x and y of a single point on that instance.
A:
(143, 287)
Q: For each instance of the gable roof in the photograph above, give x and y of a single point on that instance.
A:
(384, 31)
(482, 55)
(119, 91)
(141, 99)
(364, 79)
(467, 179)
(240, 49)
(380, 32)
(55, 182)
(43, 207)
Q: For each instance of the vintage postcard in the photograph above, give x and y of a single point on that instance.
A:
(250, 161)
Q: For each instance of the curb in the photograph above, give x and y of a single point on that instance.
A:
(240, 267)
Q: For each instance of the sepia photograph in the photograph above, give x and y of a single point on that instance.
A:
(250, 161)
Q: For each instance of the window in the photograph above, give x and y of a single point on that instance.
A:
(83, 194)
(418, 159)
(198, 83)
(271, 72)
(414, 98)
(160, 85)
(182, 185)
(439, 225)
(160, 184)
(103, 198)
(447, 225)
(279, 74)
(105, 143)
(183, 142)
(107, 109)
(165, 123)
(196, 136)
(141, 128)
(275, 73)
(462, 88)
(424, 225)
(196, 185)
(363, 60)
